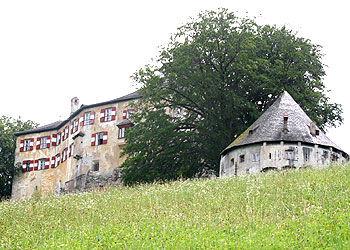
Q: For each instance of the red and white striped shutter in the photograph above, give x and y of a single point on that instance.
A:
(92, 117)
(47, 163)
(58, 139)
(93, 139)
(58, 158)
(124, 114)
(54, 139)
(24, 166)
(72, 126)
(81, 119)
(31, 143)
(66, 132)
(105, 135)
(102, 115)
(114, 109)
(70, 150)
(48, 141)
(36, 165)
(21, 145)
(53, 161)
(62, 135)
(38, 140)
(31, 165)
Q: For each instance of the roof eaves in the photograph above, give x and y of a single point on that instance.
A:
(132, 96)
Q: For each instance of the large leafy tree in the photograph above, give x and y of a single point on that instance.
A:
(217, 74)
(8, 126)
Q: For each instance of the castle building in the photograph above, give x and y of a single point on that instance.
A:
(78, 153)
(282, 137)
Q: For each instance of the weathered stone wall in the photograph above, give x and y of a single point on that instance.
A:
(69, 175)
(273, 155)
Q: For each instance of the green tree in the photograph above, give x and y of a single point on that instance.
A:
(8, 126)
(221, 72)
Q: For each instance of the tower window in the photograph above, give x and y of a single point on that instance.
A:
(241, 158)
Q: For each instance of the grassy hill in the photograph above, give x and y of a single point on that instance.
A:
(290, 210)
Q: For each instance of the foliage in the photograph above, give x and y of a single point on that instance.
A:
(292, 210)
(160, 138)
(8, 126)
(221, 72)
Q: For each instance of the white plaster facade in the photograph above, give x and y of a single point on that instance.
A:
(266, 156)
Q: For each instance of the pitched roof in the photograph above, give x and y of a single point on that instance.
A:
(125, 122)
(59, 124)
(269, 126)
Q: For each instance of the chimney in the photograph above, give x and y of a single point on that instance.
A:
(285, 124)
(74, 104)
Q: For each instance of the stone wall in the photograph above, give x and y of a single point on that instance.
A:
(257, 158)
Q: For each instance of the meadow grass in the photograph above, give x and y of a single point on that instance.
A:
(307, 209)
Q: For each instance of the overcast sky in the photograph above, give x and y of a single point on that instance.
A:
(51, 51)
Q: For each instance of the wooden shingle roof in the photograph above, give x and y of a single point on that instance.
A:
(269, 126)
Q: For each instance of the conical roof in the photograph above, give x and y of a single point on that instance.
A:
(269, 126)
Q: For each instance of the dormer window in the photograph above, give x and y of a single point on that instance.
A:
(285, 124)
(313, 129)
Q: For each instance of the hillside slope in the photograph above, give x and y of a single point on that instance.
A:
(290, 210)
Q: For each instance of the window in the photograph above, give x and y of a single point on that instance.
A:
(89, 118)
(123, 126)
(64, 134)
(99, 138)
(256, 157)
(64, 155)
(57, 160)
(127, 114)
(108, 114)
(26, 145)
(43, 142)
(325, 154)
(241, 158)
(270, 156)
(289, 155)
(95, 165)
(56, 139)
(121, 132)
(75, 124)
(307, 154)
(70, 150)
(27, 166)
(334, 157)
(42, 164)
